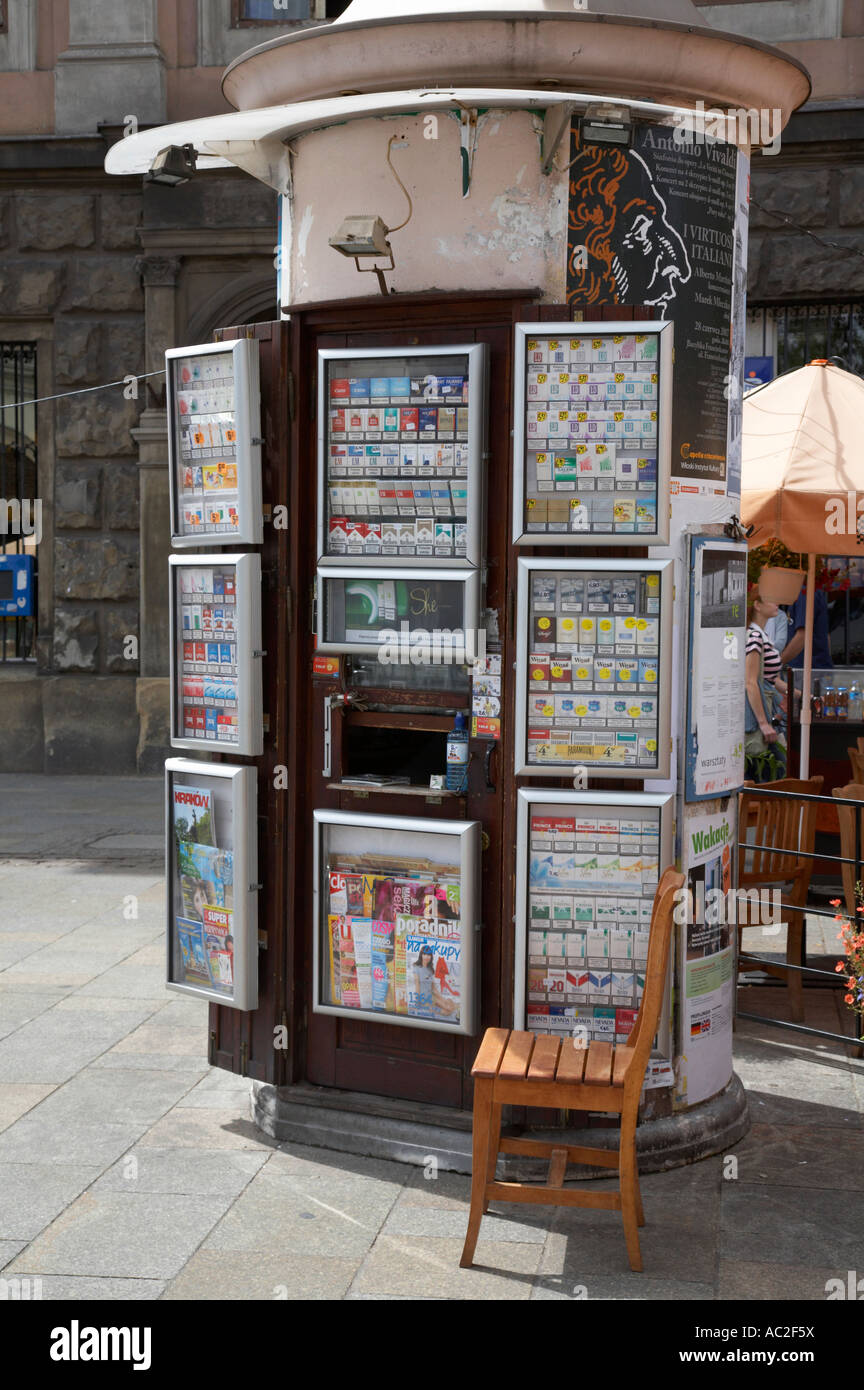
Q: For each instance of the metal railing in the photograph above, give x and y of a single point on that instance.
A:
(855, 861)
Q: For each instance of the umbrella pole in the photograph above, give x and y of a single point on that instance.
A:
(810, 608)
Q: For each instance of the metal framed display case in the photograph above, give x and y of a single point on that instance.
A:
(397, 610)
(396, 903)
(587, 868)
(592, 433)
(214, 444)
(216, 685)
(593, 667)
(211, 859)
(401, 439)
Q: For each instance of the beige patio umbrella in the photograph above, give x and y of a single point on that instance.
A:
(802, 474)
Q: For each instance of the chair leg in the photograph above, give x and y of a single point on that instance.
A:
(479, 1166)
(640, 1214)
(794, 941)
(631, 1204)
(492, 1150)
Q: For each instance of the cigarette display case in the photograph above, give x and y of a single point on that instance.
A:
(214, 427)
(211, 857)
(592, 433)
(400, 454)
(593, 667)
(396, 903)
(391, 611)
(216, 690)
(587, 869)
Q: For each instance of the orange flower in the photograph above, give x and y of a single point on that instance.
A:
(841, 965)
(835, 902)
(848, 999)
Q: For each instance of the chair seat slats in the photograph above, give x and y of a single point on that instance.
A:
(488, 1059)
(514, 1063)
(544, 1059)
(571, 1063)
(598, 1064)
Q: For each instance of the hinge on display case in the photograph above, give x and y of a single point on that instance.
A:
(244, 1058)
(312, 606)
(511, 613)
(211, 1057)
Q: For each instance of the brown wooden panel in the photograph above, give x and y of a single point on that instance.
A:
(382, 1076)
(598, 1065)
(620, 1064)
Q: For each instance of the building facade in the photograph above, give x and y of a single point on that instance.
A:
(100, 275)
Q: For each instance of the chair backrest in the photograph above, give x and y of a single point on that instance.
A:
(786, 827)
(853, 791)
(856, 758)
(642, 1035)
(860, 742)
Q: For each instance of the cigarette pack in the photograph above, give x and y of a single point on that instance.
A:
(605, 632)
(338, 423)
(446, 420)
(537, 351)
(558, 513)
(459, 495)
(399, 388)
(443, 537)
(440, 492)
(408, 459)
(390, 422)
(568, 631)
(387, 495)
(538, 385)
(583, 674)
(407, 536)
(409, 420)
(544, 630)
(379, 388)
(562, 672)
(536, 514)
(405, 498)
(445, 459)
(462, 420)
(340, 389)
(647, 632)
(374, 420)
(428, 419)
(423, 497)
(539, 670)
(359, 389)
(460, 538)
(427, 457)
(624, 514)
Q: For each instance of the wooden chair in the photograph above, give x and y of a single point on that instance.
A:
(853, 791)
(860, 742)
(856, 758)
(517, 1068)
(788, 830)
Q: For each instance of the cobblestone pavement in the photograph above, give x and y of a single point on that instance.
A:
(129, 1168)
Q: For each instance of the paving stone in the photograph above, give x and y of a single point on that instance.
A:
(447, 1192)
(791, 1225)
(33, 1194)
(587, 1243)
(429, 1268)
(55, 1046)
(288, 1214)
(19, 1007)
(802, 1156)
(182, 1171)
(196, 1067)
(188, 1042)
(205, 1129)
(129, 982)
(217, 1090)
(302, 1162)
(9, 1249)
(627, 1288)
(134, 1235)
(432, 1221)
(58, 1288)
(759, 1282)
(96, 1096)
(16, 1098)
(271, 1276)
(39, 1138)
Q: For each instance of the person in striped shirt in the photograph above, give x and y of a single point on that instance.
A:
(762, 679)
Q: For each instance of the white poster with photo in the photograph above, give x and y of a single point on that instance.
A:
(707, 952)
(715, 696)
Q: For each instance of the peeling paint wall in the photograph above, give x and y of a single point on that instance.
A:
(509, 233)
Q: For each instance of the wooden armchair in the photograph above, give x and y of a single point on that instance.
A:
(786, 829)
(518, 1068)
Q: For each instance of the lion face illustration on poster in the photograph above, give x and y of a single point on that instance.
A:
(632, 254)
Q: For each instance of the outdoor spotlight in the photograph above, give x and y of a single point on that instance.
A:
(173, 165)
(606, 124)
(365, 235)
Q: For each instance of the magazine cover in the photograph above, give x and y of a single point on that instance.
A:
(190, 937)
(219, 946)
(193, 815)
(206, 877)
(432, 969)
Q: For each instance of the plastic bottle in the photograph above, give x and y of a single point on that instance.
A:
(830, 702)
(856, 702)
(816, 705)
(457, 757)
(842, 702)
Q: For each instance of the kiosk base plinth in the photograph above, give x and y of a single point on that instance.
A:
(406, 1132)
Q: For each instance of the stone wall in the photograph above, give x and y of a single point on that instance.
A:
(827, 197)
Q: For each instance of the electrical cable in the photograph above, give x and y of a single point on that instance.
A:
(82, 390)
(401, 185)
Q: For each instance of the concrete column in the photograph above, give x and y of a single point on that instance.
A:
(112, 69)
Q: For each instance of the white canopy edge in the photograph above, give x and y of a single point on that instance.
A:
(255, 140)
